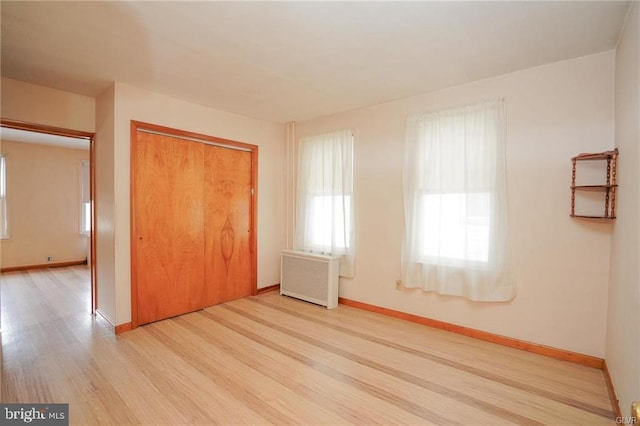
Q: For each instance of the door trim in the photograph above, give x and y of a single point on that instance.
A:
(60, 131)
(199, 140)
(139, 126)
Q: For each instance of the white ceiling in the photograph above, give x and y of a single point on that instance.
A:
(291, 61)
(25, 136)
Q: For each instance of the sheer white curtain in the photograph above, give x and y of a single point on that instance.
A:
(85, 203)
(324, 199)
(4, 230)
(456, 225)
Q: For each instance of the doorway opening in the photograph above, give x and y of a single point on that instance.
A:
(55, 139)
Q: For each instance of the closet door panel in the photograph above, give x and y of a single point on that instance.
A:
(227, 194)
(168, 218)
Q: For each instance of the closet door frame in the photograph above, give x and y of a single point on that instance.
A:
(139, 126)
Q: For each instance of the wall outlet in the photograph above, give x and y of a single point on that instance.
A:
(48, 258)
(398, 285)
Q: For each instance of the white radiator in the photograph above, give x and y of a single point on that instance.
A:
(310, 277)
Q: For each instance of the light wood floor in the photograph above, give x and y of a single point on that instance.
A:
(273, 360)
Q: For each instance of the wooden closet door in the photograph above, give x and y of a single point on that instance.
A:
(168, 226)
(227, 194)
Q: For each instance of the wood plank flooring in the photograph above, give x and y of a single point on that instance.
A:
(273, 360)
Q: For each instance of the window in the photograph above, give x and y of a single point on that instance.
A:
(456, 226)
(324, 202)
(328, 212)
(85, 199)
(4, 228)
(456, 236)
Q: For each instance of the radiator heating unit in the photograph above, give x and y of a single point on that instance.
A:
(310, 277)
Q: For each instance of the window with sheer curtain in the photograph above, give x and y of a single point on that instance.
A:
(324, 197)
(4, 228)
(456, 237)
(85, 198)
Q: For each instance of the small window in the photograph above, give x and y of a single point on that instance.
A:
(456, 226)
(329, 212)
(324, 209)
(85, 199)
(4, 228)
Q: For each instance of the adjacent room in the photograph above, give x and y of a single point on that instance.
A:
(321, 212)
(50, 195)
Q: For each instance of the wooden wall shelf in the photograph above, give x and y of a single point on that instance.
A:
(609, 187)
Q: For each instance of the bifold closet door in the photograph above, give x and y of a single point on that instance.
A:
(227, 194)
(169, 222)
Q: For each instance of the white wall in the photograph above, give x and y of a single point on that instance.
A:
(42, 105)
(554, 112)
(43, 203)
(136, 104)
(104, 205)
(623, 322)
